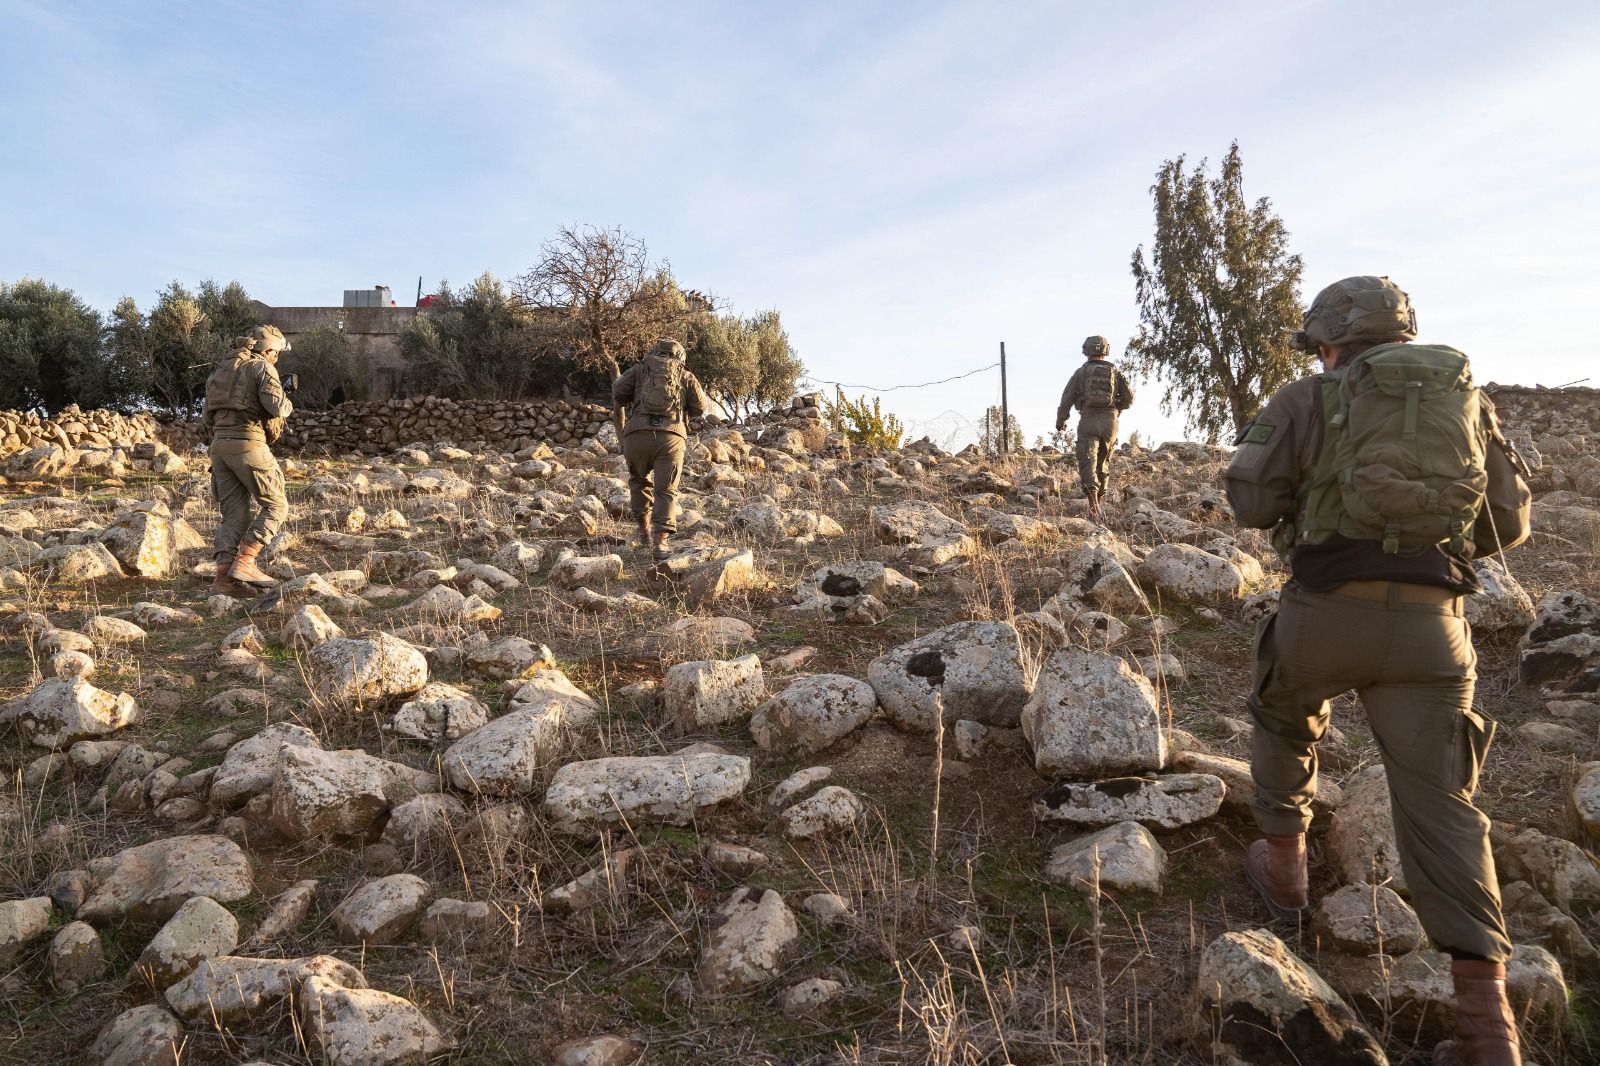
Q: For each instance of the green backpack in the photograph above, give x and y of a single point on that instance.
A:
(1404, 452)
(1100, 387)
(661, 388)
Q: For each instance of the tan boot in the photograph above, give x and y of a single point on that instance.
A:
(659, 548)
(1486, 1030)
(223, 585)
(244, 568)
(1276, 869)
(1094, 503)
(641, 534)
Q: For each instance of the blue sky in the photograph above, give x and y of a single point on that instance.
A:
(910, 184)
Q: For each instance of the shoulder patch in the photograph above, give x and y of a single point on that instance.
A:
(1255, 433)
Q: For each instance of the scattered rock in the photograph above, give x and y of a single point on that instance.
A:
(711, 692)
(1090, 715)
(812, 714)
(1360, 841)
(76, 958)
(349, 673)
(201, 929)
(506, 756)
(383, 910)
(831, 809)
(366, 1027)
(606, 1050)
(150, 882)
(975, 668)
(748, 947)
(1128, 856)
(1366, 920)
(231, 988)
(146, 1035)
(22, 921)
(61, 711)
(584, 796)
(1168, 802)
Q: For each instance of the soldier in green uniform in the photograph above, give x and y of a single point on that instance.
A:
(660, 395)
(1101, 392)
(1336, 465)
(245, 411)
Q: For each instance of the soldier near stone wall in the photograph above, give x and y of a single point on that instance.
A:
(660, 395)
(1101, 392)
(1382, 478)
(246, 407)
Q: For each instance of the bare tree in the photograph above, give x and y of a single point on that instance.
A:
(614, 299)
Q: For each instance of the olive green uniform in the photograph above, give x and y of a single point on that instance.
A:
(1097, 426)
(653, 447)
(1391, 627)
(245, 411)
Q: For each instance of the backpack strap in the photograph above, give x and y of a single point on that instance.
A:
(1317, 516)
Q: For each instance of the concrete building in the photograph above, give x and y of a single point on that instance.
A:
(374, 333)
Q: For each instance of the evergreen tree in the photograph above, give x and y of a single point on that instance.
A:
(1216, 298)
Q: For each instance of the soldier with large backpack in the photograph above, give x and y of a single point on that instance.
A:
(1382, 478)
(660, 395)
(1101, 392)
(245, 410)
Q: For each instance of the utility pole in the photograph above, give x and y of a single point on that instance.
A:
(1005, 406)
(419, 288)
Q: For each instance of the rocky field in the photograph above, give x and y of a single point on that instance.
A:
(897, 759)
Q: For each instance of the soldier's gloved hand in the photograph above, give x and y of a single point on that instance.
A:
(291, 383)
(1060, 425)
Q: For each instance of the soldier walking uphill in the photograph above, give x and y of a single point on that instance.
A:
(245, 410)
(1101, 392)
(660, 395)
(1382, 478)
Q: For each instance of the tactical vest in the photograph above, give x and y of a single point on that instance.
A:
(1405, 435)
(660, 392)
(233, 404)
(1099, 386)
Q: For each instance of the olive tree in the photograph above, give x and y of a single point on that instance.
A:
(49, 345)
(1216, 297)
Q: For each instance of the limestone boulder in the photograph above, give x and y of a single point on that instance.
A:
(590, 795)
(22, 921)
(831, 809)
(1167, 802)
(580, 571)
(76, 564)
(350, 673)
(318, 793)
(1502, 604)
(605, 1050)
(146, 1035)
(1188, 574)
(506, 756)
(1091, 715)
(1360, 843)
(366, 1027)
(913, 522)
(142, 541)
(508, 658)
(710, 581)
(308, 627)
(1584, 799)
(62, 711)
(201, 929)
(1562, 871)
(1124, 857)
(250, 765)
(1097, 574)
(150, 882)
(1416, 990)
(1366, 920)
(383, 910)
(439, 714)
(812, 713)
(231, 988)
(973, 668)
(1254, 999)
(748, 947)
(707, 693)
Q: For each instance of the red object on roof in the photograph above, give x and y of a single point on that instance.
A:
(426, 301)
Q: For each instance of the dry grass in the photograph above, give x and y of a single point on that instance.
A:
(1053, 975)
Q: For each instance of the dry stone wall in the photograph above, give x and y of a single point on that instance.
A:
(74, 429)
(502, 425)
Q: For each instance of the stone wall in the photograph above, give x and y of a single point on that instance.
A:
(22, 431)
(373, 426)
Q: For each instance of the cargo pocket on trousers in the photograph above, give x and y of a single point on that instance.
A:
(1265, 655)
(1472, 745)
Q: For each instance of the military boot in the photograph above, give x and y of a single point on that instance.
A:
(223, 585)
(641, 534)
(1276, 869)
(1094, 503)
(1486, 1030)
(244, 568)
(659, 546)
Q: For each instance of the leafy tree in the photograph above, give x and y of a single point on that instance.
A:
(484, 342)
(865, 424)
(1216, 298)
(778, 366)
(49, 345)
(995, 440)
(182, 349)
(125, 367)
(329, 368)
(605, 287)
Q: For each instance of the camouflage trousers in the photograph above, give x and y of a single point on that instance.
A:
(655, 463)
(1097, 435)
(1407, 652)
(243, 473)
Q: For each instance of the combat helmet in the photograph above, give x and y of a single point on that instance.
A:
(1362, 308)
(263, 339)
(668, 347)
(1096, 345)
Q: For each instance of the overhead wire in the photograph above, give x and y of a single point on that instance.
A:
(897, 388)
